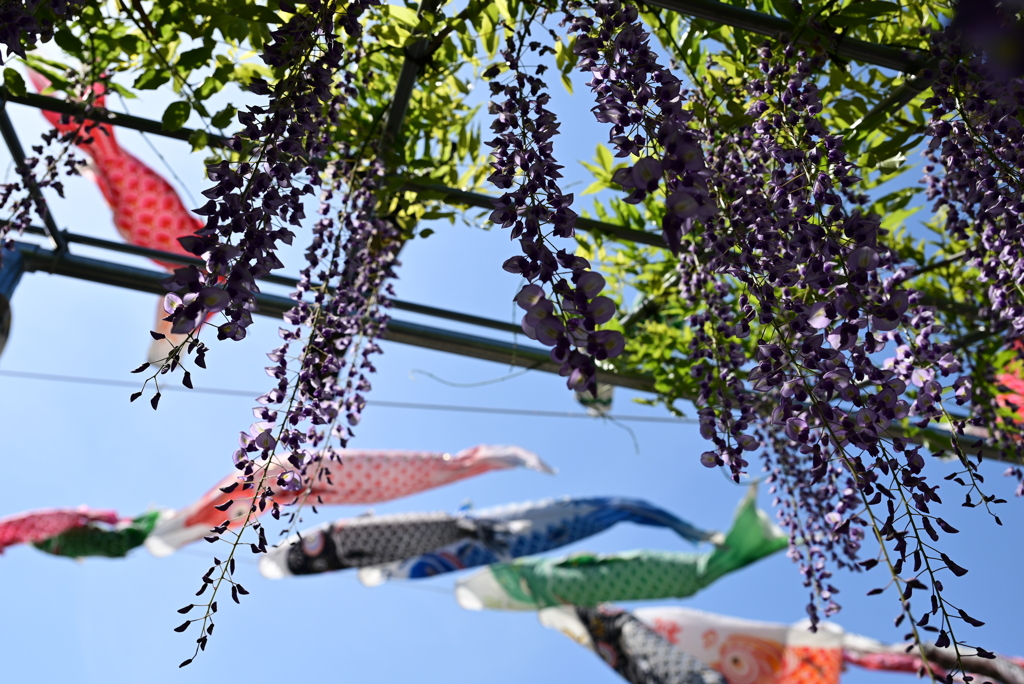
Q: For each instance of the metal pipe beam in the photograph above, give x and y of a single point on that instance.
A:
(287, 281)
(886, 56)
(37, 258)
(103, 115)
(415, 55)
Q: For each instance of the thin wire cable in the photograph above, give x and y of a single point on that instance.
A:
(632, 435)
(416, 371)
(174, 174)
(27, 375)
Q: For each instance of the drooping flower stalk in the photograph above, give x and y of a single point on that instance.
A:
(317, 403)
(643, 101)
(341, 297)
(974, 178)
(253, 202)
(773, 239)
(562, 299)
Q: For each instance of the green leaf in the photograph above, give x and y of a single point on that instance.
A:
(14, 82)
(250, 11)
(176, 115)
(403, 14)
(426, 232)
(503, 11)
(860, 14)
(151, 79)
(193, 59)
(211, 86)
(224, 117)
(567, 83)
(870, 9)
(198, 140)
(121, 90)
(785, 8)
(605, 159)
(489, 35)
(130, 44)
(68, 42)
(842, 21)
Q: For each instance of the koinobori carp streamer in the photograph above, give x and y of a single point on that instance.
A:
(752, 652)
(749, 651)
(93, 539)
(587, 579)
(147, 211)
(35, 526)
(354, 477)
(631, 648)
(413, 545)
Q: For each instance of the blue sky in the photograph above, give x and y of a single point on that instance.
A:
(111, 621)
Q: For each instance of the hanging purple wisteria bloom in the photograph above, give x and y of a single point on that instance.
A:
(562, 300)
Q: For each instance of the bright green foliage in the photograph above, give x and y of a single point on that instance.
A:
(207, 51)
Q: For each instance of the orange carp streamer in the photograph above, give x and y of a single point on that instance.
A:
(748, 652)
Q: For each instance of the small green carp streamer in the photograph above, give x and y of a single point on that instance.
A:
(94, 540)
(587, 579)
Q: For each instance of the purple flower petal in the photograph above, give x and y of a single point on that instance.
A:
(529, 296)
(816, 317)
(590, 284)
(214, 299)
(171, 302)
(862, 259)
(602, 309)
(549, 330)
(611, 342)
(646, 174)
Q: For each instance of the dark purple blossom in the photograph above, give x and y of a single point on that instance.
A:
(252, 204)
(561, 298)
(25, 24)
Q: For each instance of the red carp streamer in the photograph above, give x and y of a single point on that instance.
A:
(147, 210)
(351, 476)
(35, 526)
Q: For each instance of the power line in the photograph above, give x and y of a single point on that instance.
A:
(27, 375)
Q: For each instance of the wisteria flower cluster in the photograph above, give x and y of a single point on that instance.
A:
(342, 297)
(51, 161)
(252, 203)
(809, 344)
(845, 347)
(23, 25)
(974, 179)
(643, 102)
(977, 141)
(565, 316)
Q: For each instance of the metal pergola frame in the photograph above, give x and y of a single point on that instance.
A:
(59, 260)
